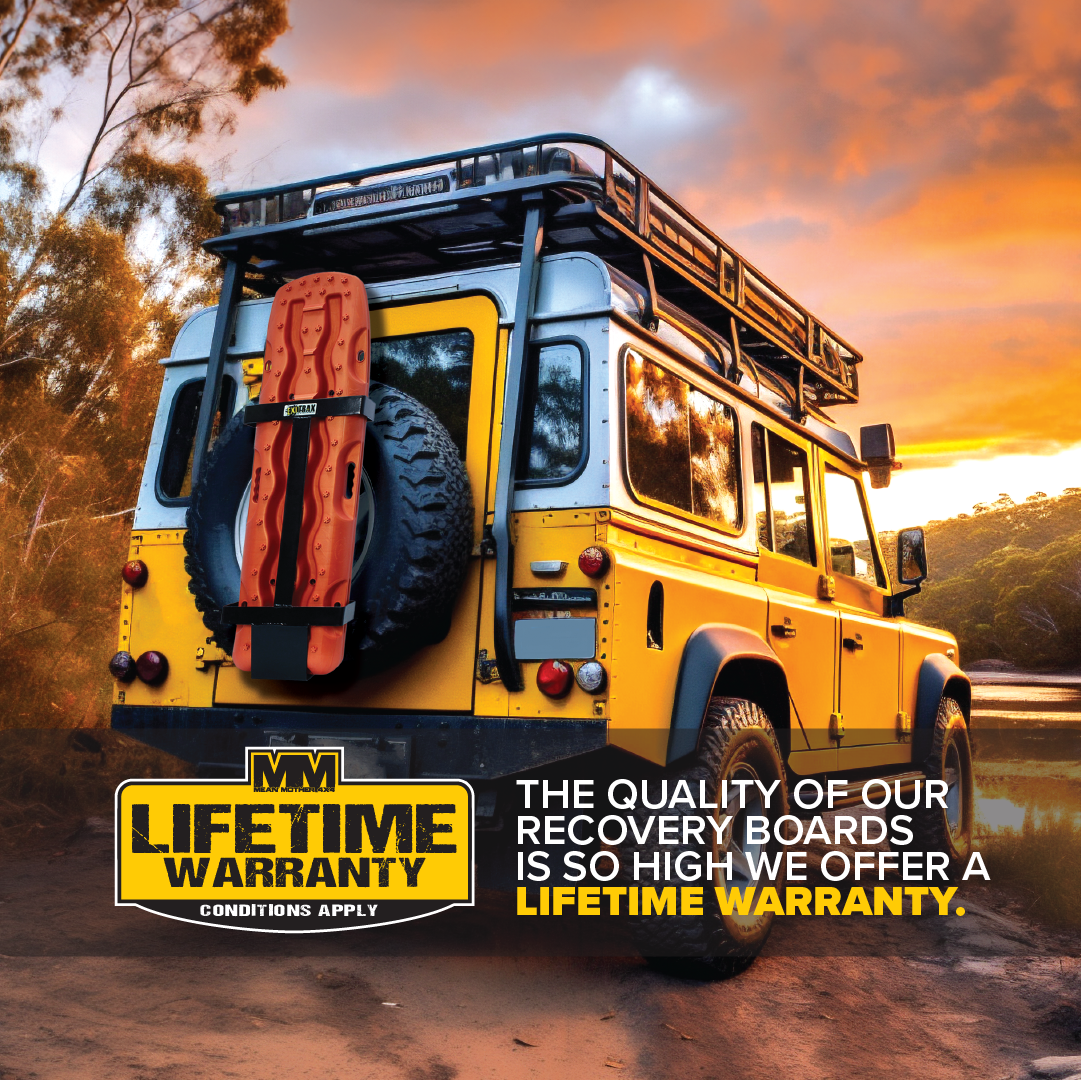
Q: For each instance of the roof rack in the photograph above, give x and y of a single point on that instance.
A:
(467, 209)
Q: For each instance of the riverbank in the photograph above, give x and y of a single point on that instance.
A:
(991, 672)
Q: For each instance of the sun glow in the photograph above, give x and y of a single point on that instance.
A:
(917, 496)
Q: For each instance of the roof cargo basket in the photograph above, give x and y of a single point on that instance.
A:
(466, 209)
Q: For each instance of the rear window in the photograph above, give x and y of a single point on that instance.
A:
(554, 419)
(174, 471)
(682, 445)
(436, 368)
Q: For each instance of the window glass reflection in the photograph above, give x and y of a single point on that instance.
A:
(714, 459)
(850, 540)
(554, 445)
(658, 458)
(436, 369)
(790, 499)
(761, 503)
(682, 445)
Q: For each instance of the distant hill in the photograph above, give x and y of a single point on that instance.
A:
(1006, 580)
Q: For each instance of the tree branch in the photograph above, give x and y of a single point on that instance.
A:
(13, 44)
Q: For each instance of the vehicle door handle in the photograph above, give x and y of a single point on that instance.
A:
(852, 643)
(783, 631)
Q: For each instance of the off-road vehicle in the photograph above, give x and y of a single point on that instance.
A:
(566, 481)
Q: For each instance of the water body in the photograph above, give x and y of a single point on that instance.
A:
(1027, 751)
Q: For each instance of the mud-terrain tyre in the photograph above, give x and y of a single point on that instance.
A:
(412, 561)
(950, 759)
(738, 742)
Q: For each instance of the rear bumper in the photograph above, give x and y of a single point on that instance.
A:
(376, 744)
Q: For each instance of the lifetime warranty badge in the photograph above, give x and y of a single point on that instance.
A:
(294, 847)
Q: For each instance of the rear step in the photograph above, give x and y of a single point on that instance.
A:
(311, 417)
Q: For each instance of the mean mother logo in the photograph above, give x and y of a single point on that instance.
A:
(294, 847)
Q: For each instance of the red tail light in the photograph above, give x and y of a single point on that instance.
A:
(594, 562)
(152, 667)
(554, 678)
(122, 666)
(135, 573)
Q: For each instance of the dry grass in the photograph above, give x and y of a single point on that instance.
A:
(1045, 861)
(52, 780)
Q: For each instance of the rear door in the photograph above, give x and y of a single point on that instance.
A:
(443, 353)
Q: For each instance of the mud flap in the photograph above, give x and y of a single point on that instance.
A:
(296, 576)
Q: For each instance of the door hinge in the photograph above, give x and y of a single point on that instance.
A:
(827, 587)
(904, 726)
(837, 726)
(486, 547)
(211, 654)
(487, 671)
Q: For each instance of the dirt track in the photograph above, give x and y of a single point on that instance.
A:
(89, 990)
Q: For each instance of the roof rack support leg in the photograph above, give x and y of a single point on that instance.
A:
(232, 286)
(650, 318)
(513, 406)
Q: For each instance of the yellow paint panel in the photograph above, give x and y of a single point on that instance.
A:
(805, 641)
(869, 679)
(479, 315)
(871, 757)
(809, 762)
(497, 419)
(558, 535)
(697, 589)
(163, 617)
(917, 643)
(438, 677)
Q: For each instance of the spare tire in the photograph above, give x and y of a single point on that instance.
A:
(414, 535)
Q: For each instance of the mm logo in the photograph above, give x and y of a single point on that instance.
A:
(303, 408)
(295, 846)
(292, 771)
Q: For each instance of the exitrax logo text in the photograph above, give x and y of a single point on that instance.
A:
(294, 846)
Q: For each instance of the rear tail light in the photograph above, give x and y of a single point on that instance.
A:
(594, 562)
(554, 678)
(122, 666)
(591, 677)
(152, 667)
(135, 573)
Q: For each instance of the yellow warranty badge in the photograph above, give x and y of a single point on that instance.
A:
(294, 847)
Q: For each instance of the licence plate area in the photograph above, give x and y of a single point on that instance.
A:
(555, 638)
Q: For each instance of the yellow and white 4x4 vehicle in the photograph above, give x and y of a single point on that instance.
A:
(600, 504)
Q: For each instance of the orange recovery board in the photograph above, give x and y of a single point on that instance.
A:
(296, 573)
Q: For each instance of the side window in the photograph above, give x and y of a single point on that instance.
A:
(682, 445)
(852, 549)
(554, 422)
(714, 460)
(435, 368)
(782, 484)
(761, 499)
(174, 469)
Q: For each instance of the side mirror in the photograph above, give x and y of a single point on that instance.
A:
(911, 556)
(878, 453)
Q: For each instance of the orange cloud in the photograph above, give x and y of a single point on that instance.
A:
(909, 170)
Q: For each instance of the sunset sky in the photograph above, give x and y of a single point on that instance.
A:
(910, 171)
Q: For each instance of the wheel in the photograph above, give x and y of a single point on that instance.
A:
(946, 829)
(738, 743)
(414, 532)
